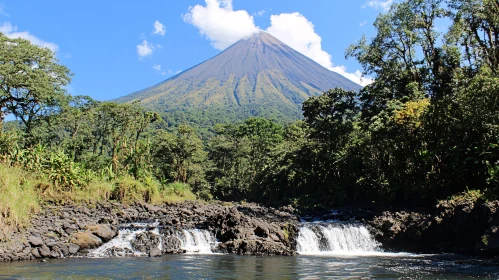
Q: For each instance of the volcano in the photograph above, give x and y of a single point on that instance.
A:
(258, 76)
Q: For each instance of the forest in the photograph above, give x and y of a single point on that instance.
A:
(426, 129)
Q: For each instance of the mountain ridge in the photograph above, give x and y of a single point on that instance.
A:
(252, 76)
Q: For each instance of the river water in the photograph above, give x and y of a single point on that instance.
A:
(327, 251)
(248, 267)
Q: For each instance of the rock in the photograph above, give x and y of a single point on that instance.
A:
(73, 248)
(200, 211)
(257, 247)
(35, 241)
(248, 229)
(51, 243)
(145, 242)
(55, 253)
(64, 249)
(290, 209)
(35, 253)
(86, 240)
(153, 208)
(105, 232)
(171, 244)
(70, 230)
(44, 251)
(155, 252)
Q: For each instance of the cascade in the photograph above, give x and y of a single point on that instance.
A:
(139, 239)
(335, 238)
(196, 241)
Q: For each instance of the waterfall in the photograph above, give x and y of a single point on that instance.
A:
(335, 239)
(120, 246)
(139, 240)
(196, 241)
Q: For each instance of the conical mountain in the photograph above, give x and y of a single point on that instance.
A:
(258, 76)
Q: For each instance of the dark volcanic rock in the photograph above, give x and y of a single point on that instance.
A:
(69, 230)
(44, 251)
(171, 245)
(86, 240)
(35, 241)
(105, 232)
(244, 234)
(155, 252)
(73, 248)
(467, 226)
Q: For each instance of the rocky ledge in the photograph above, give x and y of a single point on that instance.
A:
(468, 226)
(74, 230)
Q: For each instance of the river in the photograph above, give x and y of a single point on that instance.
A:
(247, 267)
(329, 250)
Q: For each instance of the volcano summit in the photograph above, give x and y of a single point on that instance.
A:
(257, 76)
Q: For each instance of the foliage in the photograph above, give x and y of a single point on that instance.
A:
(425, 130)
(18, 199)
(238, 153)
(31, 81)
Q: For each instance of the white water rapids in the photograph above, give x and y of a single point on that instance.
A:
(313, 239)
(194, 241)
(336, 238)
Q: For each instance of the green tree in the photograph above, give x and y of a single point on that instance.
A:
(178, 156)
(31, 81)
(239, 154)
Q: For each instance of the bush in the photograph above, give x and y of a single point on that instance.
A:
(18, 199)
(129, 190)
(471, 196)
(180, 190)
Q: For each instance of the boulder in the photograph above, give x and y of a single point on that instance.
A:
(44, 251)
(105, 232)
(35, 241)
(73, 248)
(35, 253)
(155, 252)
(171, 244)
(86, 240)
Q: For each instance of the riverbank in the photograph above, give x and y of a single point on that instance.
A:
(465, 224)
(74, 230)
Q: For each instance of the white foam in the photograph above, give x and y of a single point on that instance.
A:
(337, 239)
(196, 241)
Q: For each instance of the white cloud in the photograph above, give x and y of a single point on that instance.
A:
(220, 23)
(363, 23)
(145, 49)
(2, 10)
(159, 28)
(159, 69)
(223, 26)
(11, 31)
(356, 76)
(297, 32)
(156, 67)
(379, 4)
(259, 13)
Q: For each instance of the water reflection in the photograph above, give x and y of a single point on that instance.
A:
(248, 267)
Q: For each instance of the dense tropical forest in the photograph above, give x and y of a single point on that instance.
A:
(427, 128)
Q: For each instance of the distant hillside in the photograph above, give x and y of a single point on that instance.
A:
(258, 76)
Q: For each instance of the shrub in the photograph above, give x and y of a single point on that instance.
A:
(18, 199)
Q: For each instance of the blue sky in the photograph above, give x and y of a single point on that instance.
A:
(117, 47)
